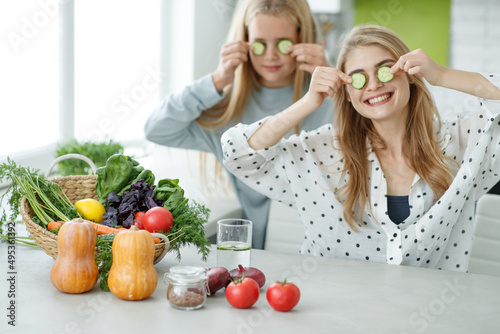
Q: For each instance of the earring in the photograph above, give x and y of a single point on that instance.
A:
(348, 99)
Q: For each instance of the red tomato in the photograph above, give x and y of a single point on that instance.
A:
(158, 219)
(283, 296)
(138, 216)
(242, 293)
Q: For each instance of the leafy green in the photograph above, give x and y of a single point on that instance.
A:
(18, 239)
(188, 217)
(170, 191)
(119, 173)
(97, 152)
(189, 228)
(146, 175)
(48, 201)
(104, 258)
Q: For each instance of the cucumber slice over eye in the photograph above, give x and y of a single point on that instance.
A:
(384, 74)
(358, 80)
(283, 44)
(258, 48)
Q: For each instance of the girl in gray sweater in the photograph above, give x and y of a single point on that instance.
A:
(264, 67)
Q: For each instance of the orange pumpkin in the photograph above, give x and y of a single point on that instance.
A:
(132, 275)
(75, 270)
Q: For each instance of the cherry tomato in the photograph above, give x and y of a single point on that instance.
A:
(242, 293)
(138, 216)
(158, 219)
(283, 296)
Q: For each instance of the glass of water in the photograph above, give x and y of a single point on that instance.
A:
(234, 242)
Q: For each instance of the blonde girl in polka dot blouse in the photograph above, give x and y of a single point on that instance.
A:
(389, 181)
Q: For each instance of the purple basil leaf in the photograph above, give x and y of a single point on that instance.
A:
(113, 199)
(129, 221)
(150, 203)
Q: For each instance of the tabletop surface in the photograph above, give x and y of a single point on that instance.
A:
(337, 296)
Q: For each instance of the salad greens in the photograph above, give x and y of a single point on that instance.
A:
(169, 191)
(125, 188)
(120, 210)
(118, 175)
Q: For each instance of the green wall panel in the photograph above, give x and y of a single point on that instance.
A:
(422, 24)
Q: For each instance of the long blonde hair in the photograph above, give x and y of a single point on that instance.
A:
(237, 94)
(245, 77)
(420, 144)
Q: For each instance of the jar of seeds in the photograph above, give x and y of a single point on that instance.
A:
(187, 287)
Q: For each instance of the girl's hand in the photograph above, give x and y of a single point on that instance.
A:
(232, 54)
(325, 82)
(309, 55)
(417, 62)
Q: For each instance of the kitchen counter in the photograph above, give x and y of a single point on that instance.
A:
(336, 296)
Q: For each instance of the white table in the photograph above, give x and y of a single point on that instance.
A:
(338, 296)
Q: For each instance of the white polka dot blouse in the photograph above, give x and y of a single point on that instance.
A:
(303, 172)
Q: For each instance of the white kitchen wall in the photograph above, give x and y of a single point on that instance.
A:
(192, 40)
(474, 44)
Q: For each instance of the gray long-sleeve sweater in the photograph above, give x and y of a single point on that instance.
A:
(173, 124)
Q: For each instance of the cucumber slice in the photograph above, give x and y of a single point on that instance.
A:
(242, 246)
(283, 44)
(258, 48)
(384, 75)
(358, 80)
(225, 246)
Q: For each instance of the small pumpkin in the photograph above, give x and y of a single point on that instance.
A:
(75, 270)
(132, 275)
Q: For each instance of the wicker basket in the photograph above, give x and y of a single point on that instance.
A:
(76, 187)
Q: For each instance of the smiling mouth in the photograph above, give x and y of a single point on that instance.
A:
(272, 68)
(379, 99)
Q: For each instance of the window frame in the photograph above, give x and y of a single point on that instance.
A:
(42, 156)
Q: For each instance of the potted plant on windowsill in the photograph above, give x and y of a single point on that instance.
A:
(98, 152)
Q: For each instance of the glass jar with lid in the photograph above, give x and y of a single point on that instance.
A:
(187, 287)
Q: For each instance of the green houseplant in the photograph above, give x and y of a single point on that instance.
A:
(98, 152)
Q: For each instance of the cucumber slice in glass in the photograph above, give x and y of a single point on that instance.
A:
(358, 80)
(283, 44)
(384, 75)
(258, 48)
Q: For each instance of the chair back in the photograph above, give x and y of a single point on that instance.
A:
(485, 251)
(285, 232)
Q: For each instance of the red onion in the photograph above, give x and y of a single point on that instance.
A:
(251, 272)
(218, 278)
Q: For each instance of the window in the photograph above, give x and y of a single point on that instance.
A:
(115, 64)
(116, 67)
(30, 75)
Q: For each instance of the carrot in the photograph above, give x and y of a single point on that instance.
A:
(101, 229)
(54, 225)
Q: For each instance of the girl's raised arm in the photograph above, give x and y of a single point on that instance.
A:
(325, 82)
(417, 62)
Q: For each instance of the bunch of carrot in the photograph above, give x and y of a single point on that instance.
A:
(101, 229)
